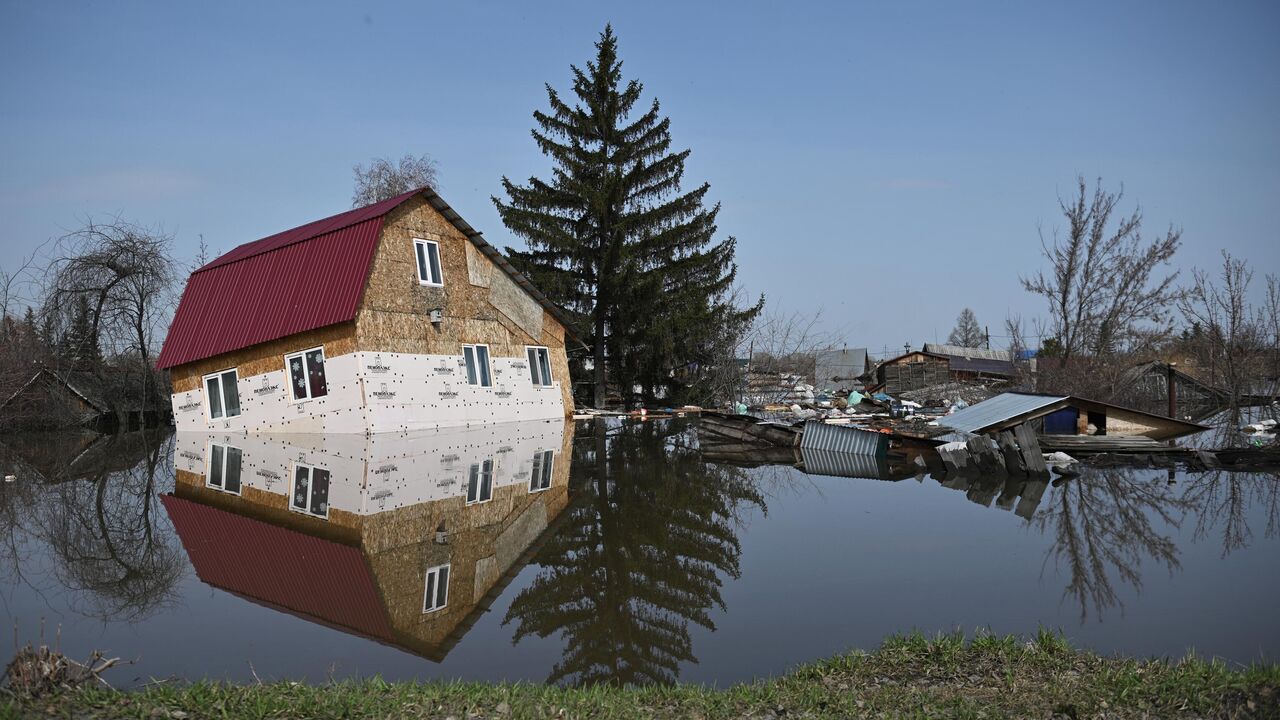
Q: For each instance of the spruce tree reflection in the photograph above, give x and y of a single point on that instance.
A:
(642, 555)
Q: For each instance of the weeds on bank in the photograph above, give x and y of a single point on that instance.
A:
(908, 676)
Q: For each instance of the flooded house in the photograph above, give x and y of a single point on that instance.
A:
(403, 539)
(393, 317)
(1065, 416)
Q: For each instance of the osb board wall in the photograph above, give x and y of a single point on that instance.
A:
(269, 507)
(479, 302)
(337, 340)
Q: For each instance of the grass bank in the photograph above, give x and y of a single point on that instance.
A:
(911, 676)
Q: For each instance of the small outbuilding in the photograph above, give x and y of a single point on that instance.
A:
(912, 371)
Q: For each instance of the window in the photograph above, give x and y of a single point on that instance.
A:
(223, 469)
(222, 395)
(480, 482)
(539, 366)
(428, 254)
(540, 478)
(310, 492)
(306, 374)
(477, 361)
(436, 593)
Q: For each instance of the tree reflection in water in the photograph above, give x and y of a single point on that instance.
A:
(98, 518)
(642, 555)
(1110, 520)
(1222, 500)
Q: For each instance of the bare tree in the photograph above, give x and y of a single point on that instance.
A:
(117, 279)
(787, 344)
(1104, 287)
(1230, 339)
(967, 332)
(385, 179)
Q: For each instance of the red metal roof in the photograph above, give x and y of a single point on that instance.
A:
(298, 280)
(291, 282)
(314, 578)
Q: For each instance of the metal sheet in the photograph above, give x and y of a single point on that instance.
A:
(1003, 407)
(294, 288)
(821, 436)
(967, 352)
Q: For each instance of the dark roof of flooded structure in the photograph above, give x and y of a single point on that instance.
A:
(298, 280)
(832, 368)
(966, 352)
(104, 393)
(984, 366)
(1009, 409)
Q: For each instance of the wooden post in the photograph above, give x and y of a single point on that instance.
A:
(1012, 458)
(1029, 446)
(1171, 389)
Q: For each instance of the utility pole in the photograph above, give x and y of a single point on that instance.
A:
(986, 330)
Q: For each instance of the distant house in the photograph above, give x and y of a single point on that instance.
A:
(391, 317)
(836, 370)
(404, 539)
(56, 398)
(913, 371)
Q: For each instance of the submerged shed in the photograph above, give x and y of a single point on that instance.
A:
(1064, 415)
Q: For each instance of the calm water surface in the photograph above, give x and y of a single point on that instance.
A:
(597, 552)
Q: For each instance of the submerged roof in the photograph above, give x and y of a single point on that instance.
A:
(298, 280)
(999, 409)
(1008, 409)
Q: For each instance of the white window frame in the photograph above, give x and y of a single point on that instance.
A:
(488, 365)
(208, 467)
(480, 471)
(306, 373)
(429, 603)
(426, 257)
(222, 400)
(535, 366)
(311, 488)
(543, 466)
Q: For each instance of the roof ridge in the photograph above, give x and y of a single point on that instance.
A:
(308, 231)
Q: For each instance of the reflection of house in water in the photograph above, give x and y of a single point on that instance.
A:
(403, 539)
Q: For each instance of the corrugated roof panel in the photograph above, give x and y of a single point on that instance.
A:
(272, 294)
(996, 410)
(818, 435)
(967, 352)
(304, 574)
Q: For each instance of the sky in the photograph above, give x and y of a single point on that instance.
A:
(885, 164)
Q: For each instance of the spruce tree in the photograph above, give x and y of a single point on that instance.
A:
(614, 239)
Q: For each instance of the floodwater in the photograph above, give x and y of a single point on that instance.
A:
(599, 552)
